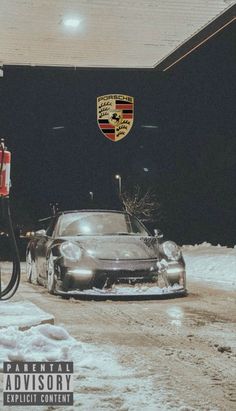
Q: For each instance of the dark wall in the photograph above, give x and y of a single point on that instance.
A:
(5, 250)
(190, 155)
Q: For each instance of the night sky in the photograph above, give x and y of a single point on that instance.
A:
(191, 155)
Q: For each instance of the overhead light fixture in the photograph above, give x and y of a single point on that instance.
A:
(71, 22)
(149, 126)
(58, 127)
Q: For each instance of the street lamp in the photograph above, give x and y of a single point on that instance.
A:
(54, 208)
(118, 177)
(91, 195)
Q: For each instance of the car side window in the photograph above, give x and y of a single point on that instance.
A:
(136, 226)
(50, 228)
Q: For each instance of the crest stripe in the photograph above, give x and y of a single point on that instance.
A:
(123, 101)
(124, 106)
(106, 126)
(109, 130)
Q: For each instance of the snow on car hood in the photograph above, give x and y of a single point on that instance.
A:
(124, 247)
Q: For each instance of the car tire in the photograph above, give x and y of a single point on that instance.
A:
(31, 271)
(51, 280)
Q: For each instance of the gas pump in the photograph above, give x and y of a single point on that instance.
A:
(5, 163)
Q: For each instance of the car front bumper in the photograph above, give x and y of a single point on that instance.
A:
(117, 279)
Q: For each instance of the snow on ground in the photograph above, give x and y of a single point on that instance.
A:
(100, 381)
(23, 314)
(212, 264)
(109, 384)
(41, 343)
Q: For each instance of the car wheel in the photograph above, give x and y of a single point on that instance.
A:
(51, 284)
(31, 271)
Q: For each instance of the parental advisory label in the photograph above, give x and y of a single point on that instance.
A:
(38, 383)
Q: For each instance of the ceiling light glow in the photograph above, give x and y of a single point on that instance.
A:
(71, 23)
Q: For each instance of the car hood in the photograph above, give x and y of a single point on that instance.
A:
(114, 247)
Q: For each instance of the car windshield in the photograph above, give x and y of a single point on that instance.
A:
(99, 223)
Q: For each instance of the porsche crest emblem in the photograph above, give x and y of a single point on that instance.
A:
(115, 115)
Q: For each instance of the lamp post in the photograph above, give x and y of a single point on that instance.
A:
(54, 208)
(118, 177)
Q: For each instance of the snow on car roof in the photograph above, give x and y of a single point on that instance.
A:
(81, 211)
(91, 211)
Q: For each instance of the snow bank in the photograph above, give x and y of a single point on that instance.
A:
(213, 264)
(100, 382)
(41, 343)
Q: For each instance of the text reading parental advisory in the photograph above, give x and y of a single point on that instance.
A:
(38, 383)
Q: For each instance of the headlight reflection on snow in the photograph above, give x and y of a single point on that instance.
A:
(176, 314)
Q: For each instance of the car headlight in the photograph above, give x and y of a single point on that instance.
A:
(171, 250)
(70, 250)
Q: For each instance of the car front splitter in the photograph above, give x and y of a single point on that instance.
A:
(125, 293)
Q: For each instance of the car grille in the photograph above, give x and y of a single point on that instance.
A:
(122, 274)
(127, 265)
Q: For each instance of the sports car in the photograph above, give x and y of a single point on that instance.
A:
(100, 252)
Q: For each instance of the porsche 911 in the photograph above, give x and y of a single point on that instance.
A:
(101, 252)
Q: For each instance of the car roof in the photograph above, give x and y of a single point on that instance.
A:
(91, 211)
(59, 213)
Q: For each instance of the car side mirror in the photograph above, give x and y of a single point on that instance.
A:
(40, 233)
(158, 233)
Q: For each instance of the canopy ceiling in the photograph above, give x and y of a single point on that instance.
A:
(107, 33)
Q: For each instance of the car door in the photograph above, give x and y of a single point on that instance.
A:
(44, 240)
(40, 249)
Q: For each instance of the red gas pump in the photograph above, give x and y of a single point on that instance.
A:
(5, 164)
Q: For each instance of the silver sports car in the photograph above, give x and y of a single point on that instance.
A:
(104, 253)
